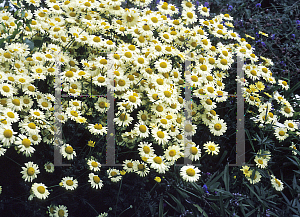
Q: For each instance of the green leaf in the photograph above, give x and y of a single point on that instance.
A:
(176, 209)
(260, 200)
(181, 207)
(226, 177)
(250, 139)
(251, 212)
(200, 210)
(161, 207)
(221, 205)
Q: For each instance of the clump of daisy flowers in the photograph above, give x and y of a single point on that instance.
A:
(139, 54)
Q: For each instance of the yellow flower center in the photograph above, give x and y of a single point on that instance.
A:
(287, 110)
(172, 153)
(159, 108)
(143, 128)
(160, 81)
(26, 142)
(7, 133)
(281, 133)
(146, 149)
(163, 65)
(10, 114)
(69, 74)
(194, 150)
(132, 99)
(190, 15)
(94, 164)
(41, 189)
(61, 213)
(224, 62)
(69, 149)
(141, 167)
(190, 172)
(157, 160)
(123, 117)
(69, 182)
(212, 148)
(160, 134)
(217, 126)
(96, 179)
(30, 171)
(5, 89)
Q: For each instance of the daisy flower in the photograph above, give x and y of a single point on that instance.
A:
(211, 148)
(253, 179)
(287, 111)
(189, 16)
(40, 190)
(130, 17)
(93, 165)
(283, 84)
(97, 129)
(10, 115)
(24, 145)
(68, 152)
(128, 166)
(218, 127)
(157, 163)
(187, 5)
(246, 171)
(60, 211)
(51, 209)
(123, 119)
(49, 167)
(7, 90)
(7, 136)
(140, 168)
(190, 173)
(141, 129)
(193, 152)
(172, 153)
(102, 105)
(69, 183)
(30, 171)
(15, 104)
(291, 125)
(95, 181)
(160, 136)
(261, 162)
(114, 175)
(276, 183)
(132, 98)
(204, 11)
(37, 114)
(163, 65)
(145, 149)
(281, 133)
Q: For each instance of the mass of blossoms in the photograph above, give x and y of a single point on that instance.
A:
(146, 58)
